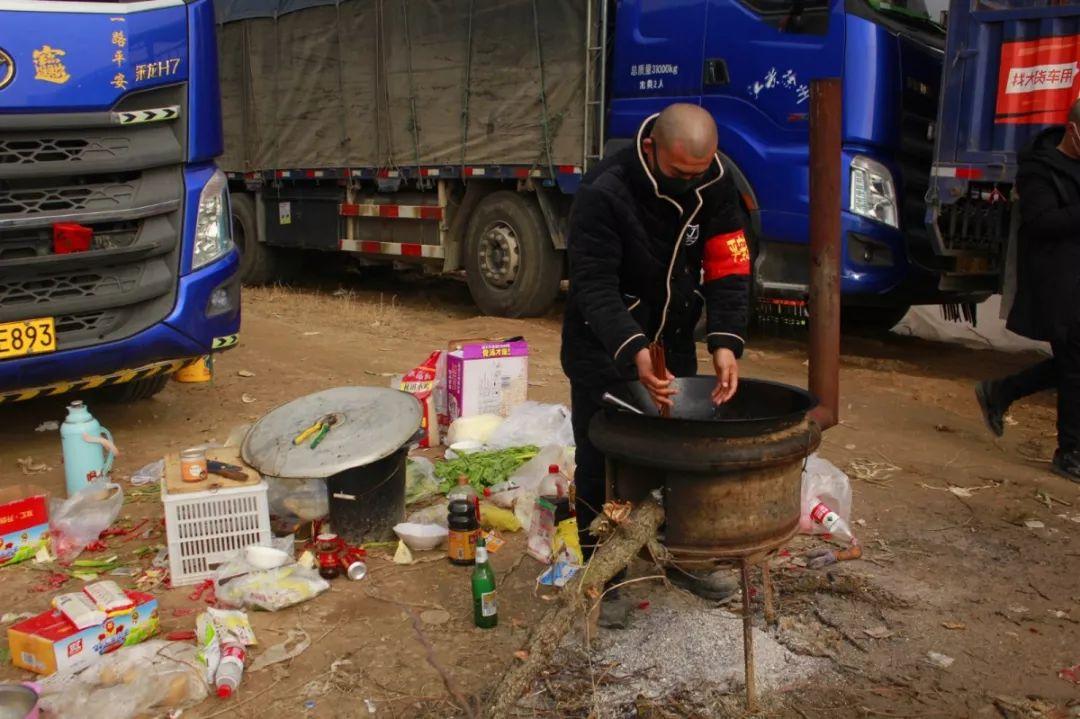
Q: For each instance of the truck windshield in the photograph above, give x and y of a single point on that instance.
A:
(912, 12)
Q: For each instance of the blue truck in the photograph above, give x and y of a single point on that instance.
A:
(1013, 72)
(117, 264)
(451, 136)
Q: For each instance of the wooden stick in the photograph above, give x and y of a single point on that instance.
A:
(574, 602)
(659, 365)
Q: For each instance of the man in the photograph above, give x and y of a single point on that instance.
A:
(1047, 305)
(647, 226)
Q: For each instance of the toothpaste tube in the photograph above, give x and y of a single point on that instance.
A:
(109, 597)
(79, 610)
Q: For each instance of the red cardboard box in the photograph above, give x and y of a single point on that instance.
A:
(49, 643)
(24, 522)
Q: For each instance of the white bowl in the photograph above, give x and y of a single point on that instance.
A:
(421, 537)
(262, 557)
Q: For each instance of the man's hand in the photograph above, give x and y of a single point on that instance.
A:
(727, 375)
(659, 388)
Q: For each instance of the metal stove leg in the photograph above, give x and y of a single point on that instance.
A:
(767, 588)
(748, 639)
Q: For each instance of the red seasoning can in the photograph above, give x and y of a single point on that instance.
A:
(328, 547)
(354, 562)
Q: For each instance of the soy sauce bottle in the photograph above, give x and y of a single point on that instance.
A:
(463, 522)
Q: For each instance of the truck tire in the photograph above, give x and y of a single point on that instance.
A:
(135, 390)
(511, 266)
(258, 262)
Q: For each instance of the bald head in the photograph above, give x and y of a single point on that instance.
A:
(687, 130)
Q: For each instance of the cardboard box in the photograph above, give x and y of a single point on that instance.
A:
(49, 643)
(487, 378)
(24, 522)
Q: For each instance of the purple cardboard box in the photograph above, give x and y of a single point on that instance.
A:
(487, 378)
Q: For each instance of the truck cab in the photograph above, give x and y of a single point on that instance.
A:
(116, 259)
(750, 62)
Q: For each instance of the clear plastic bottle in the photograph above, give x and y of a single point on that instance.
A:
(832, 522)
(555, 484)
(230, 669)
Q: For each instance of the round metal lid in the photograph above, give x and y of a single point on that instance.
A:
(369, 423)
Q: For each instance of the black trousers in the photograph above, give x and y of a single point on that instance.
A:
(1061, 372)
(590, 470)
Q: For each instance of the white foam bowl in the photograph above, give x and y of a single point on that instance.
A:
(265, 557)
(421, 537)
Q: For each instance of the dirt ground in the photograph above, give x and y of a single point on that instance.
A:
(988, 574)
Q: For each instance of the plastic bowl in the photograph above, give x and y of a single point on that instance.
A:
(421, 537)
(262, 557)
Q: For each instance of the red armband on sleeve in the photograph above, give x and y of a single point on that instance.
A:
(727, 254)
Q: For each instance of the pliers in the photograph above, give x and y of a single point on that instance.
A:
(316, 432)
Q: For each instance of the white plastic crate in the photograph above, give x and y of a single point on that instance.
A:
(206, 528)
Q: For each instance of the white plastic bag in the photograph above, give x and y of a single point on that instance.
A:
(822, 479)
(237, 584)
(305, 499)
(533, 423)
(79, 519)
(420, 481)
(155, 678)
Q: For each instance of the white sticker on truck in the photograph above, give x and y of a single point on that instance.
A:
(284, 213)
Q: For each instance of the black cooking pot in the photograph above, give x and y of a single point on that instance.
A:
(758, 407)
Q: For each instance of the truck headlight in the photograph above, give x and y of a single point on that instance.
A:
(873, 192)
(213, 223)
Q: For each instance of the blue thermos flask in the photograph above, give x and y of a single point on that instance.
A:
(88, 448)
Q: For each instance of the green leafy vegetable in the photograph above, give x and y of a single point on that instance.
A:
(483, 468)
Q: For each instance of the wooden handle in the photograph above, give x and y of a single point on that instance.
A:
(659, 365)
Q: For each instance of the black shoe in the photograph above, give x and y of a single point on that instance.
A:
(994, 417)
(717, 586)
(1067, 464)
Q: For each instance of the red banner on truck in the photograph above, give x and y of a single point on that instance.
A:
(1037, 80)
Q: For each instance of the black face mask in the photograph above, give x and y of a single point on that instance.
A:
(673, 186)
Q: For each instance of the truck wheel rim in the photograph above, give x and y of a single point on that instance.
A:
(500, 255)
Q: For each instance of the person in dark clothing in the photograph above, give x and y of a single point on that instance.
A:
(1047, 305)
(656, 237)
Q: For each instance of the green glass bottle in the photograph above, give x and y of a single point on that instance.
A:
(485, 609)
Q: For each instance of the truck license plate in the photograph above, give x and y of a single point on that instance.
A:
(27, 337)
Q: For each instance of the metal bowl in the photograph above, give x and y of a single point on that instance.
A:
(759, 406)
(17, 701)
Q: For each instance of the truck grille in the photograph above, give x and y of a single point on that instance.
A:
(124, 182)
(30, 150)
(95, 196)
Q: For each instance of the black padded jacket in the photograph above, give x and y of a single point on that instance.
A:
(643, 266)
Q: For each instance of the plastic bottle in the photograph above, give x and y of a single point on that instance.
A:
(485, 607)
(832, 522)
(555, 488)
(463, 521)
(230, 669)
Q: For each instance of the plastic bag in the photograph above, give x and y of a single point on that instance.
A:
(822, 479)
(533, 423)
(149, 474)
(305, 499)
(435, 514)
(79, 519)
(268, 590)
(155, 678)
(420, 481)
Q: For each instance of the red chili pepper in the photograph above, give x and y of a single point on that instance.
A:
(180, 636)
(95, 546)
(201, 589)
